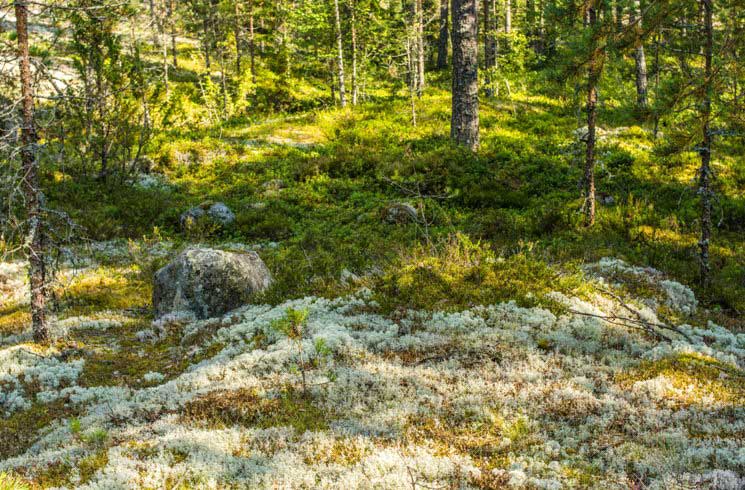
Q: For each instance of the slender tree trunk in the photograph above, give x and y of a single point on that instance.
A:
(164, 49)
(705, 174)
(541, 43)
(657, 70)
(464, 126)
(508, 16)
(206, 40)
(640, 59)
(419, 20)
(489, 34)
(251, 40)
(412, 79)
(172, 26)
(530, 22)
(238, 36)
(30, 184)
(162, 38)
(619, 15)
(443, 41)
(340, 55)
(355, 85)
(592, 100)
(490, 45)
(262, 45)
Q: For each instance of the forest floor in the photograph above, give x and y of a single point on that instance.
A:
(491, 341)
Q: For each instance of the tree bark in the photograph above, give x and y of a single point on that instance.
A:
(419, 20)
(442, 43)
(206, 40)
(412, 79)
(172, 25)
(640, 60)
(340, 55)
(464, 126)
(619, 15)
(508, 16)
(355, 85)
(30, 185)
(490, 44)
(592, 99)
(237, 35)
(490, 34)
(705, 174)
(251, 40)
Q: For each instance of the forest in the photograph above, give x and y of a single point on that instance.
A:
(372, 244)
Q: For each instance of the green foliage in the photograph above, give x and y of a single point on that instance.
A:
(10, 482)
(292, 324)
(461, 272)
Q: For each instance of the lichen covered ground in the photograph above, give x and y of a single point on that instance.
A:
(587, 392)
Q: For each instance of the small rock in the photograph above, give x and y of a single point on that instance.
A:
(221, 213)
(399, 213)
(274, 185)
(217, 213)
(581, 133)
(191, 217)
(348, 277)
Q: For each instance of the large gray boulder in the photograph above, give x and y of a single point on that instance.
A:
(208, 282)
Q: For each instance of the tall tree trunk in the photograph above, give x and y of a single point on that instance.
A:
(411, 64)
(164, 49)
(541, 42)
(419, 20)
(30, 185)
(206, 39)
(640, 59)
(340, 55)
(530, 22)
(490, 45)
(705, 174)
(355, 84)
(251, 40)
(443, 41)
(464, 125)
(594, 70)
(619, 15)
(172, 26)
(656, 84)
(162, 38)
(508, 16)
(237, 34)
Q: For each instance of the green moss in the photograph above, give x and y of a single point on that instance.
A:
(19, 431)
(694, 378)
(127, 361)
(105, 288)
(8, 481)
(247, 407)
(462, 273)
(88, 466)
(14, 320)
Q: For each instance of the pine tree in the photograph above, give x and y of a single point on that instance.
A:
(464, 125)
